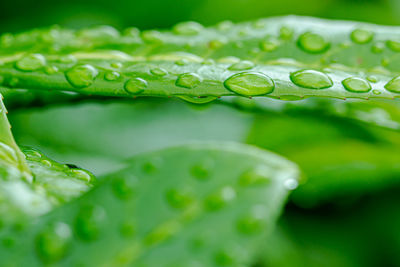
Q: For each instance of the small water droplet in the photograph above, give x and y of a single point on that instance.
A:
(198, 99)
(135, 86)
(223, 258)
(311, 79)
(31, 62)
(290, 184)
(372, 78)
(376, 92)
(202, 170)
(178, 199)
(68, 59)
(46, 163)
(50, 70)
(220, 199)
(159, 72)
(378, 48)
(216, 43)
(13, 82)
(250, 84)
(31, 154)
(188, 28)
(188, 80)
(242, 65)
(182, 62)
(123, 188)
(255, 177)
(356, 85)
(269, 45)
(393, 85)
(82, 175)
(111, 75)
(52, 244)
(81, 76)
(88, 222)
(116, 65)
(152, 36)
(250, 224)
(312, 42)
(361, 36)
(394, 45)
(286, 33)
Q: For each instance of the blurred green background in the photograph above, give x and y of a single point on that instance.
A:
(19, 15)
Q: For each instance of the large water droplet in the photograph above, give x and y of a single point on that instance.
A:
(52, 244)
(31, 62)
(393, 85)
(357, 85)
(242, 65)
(88, 222)
(250, 84)
(312, 42)
(311, 79)
(188, 28)
(361, 36)
(135, 86)
(81, 76)
(188, 80)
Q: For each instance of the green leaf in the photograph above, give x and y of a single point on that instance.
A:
(174, 207)
(287, 58)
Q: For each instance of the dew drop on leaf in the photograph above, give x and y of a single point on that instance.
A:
(111, 75)
(159, 72)
(269, 45)
(188, 28)
(356, 85)
(88, 222)
(250, 84)
(312, 42)
(361, 36)
(290, 184)
(81, 76)
(123, 188)
(52, 244)
(188, 80)
(31, 62)
(254, 177)
(311, 79)
(178, 199)
(393, 85)
(135, 86)
(242, 65)
(218, 200)
(198, 99)
(82, 175)
(394, 45)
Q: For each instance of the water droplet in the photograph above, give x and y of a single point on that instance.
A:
(216, 43)
(372, 78)
(361, 36)
(46, 163)
(312, 42)
(286, 33)
(81, 76)
(50, 70)
(188, 80)
(128, 229)
(290, 184)
(68, 59)
(159, 72)
(116, 65)
(82, 175)
(52, 244)
(201, 171)
(250, 84)
(31, 62)
(31, 154)
(182, 62)
(394, 45)
(88, 222)
(178, 199)
(255, 177)
(250, 224)
(376, 92)
(198, 99)
(111, 75)
(378, 48)
(384, 62)
(393, 85)
(269, 45)
(152, 36)
(242, 65)
(135, 86)
(220, 199)
(188, 28)
(356, 85)
(123, 188)
(311, 79)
